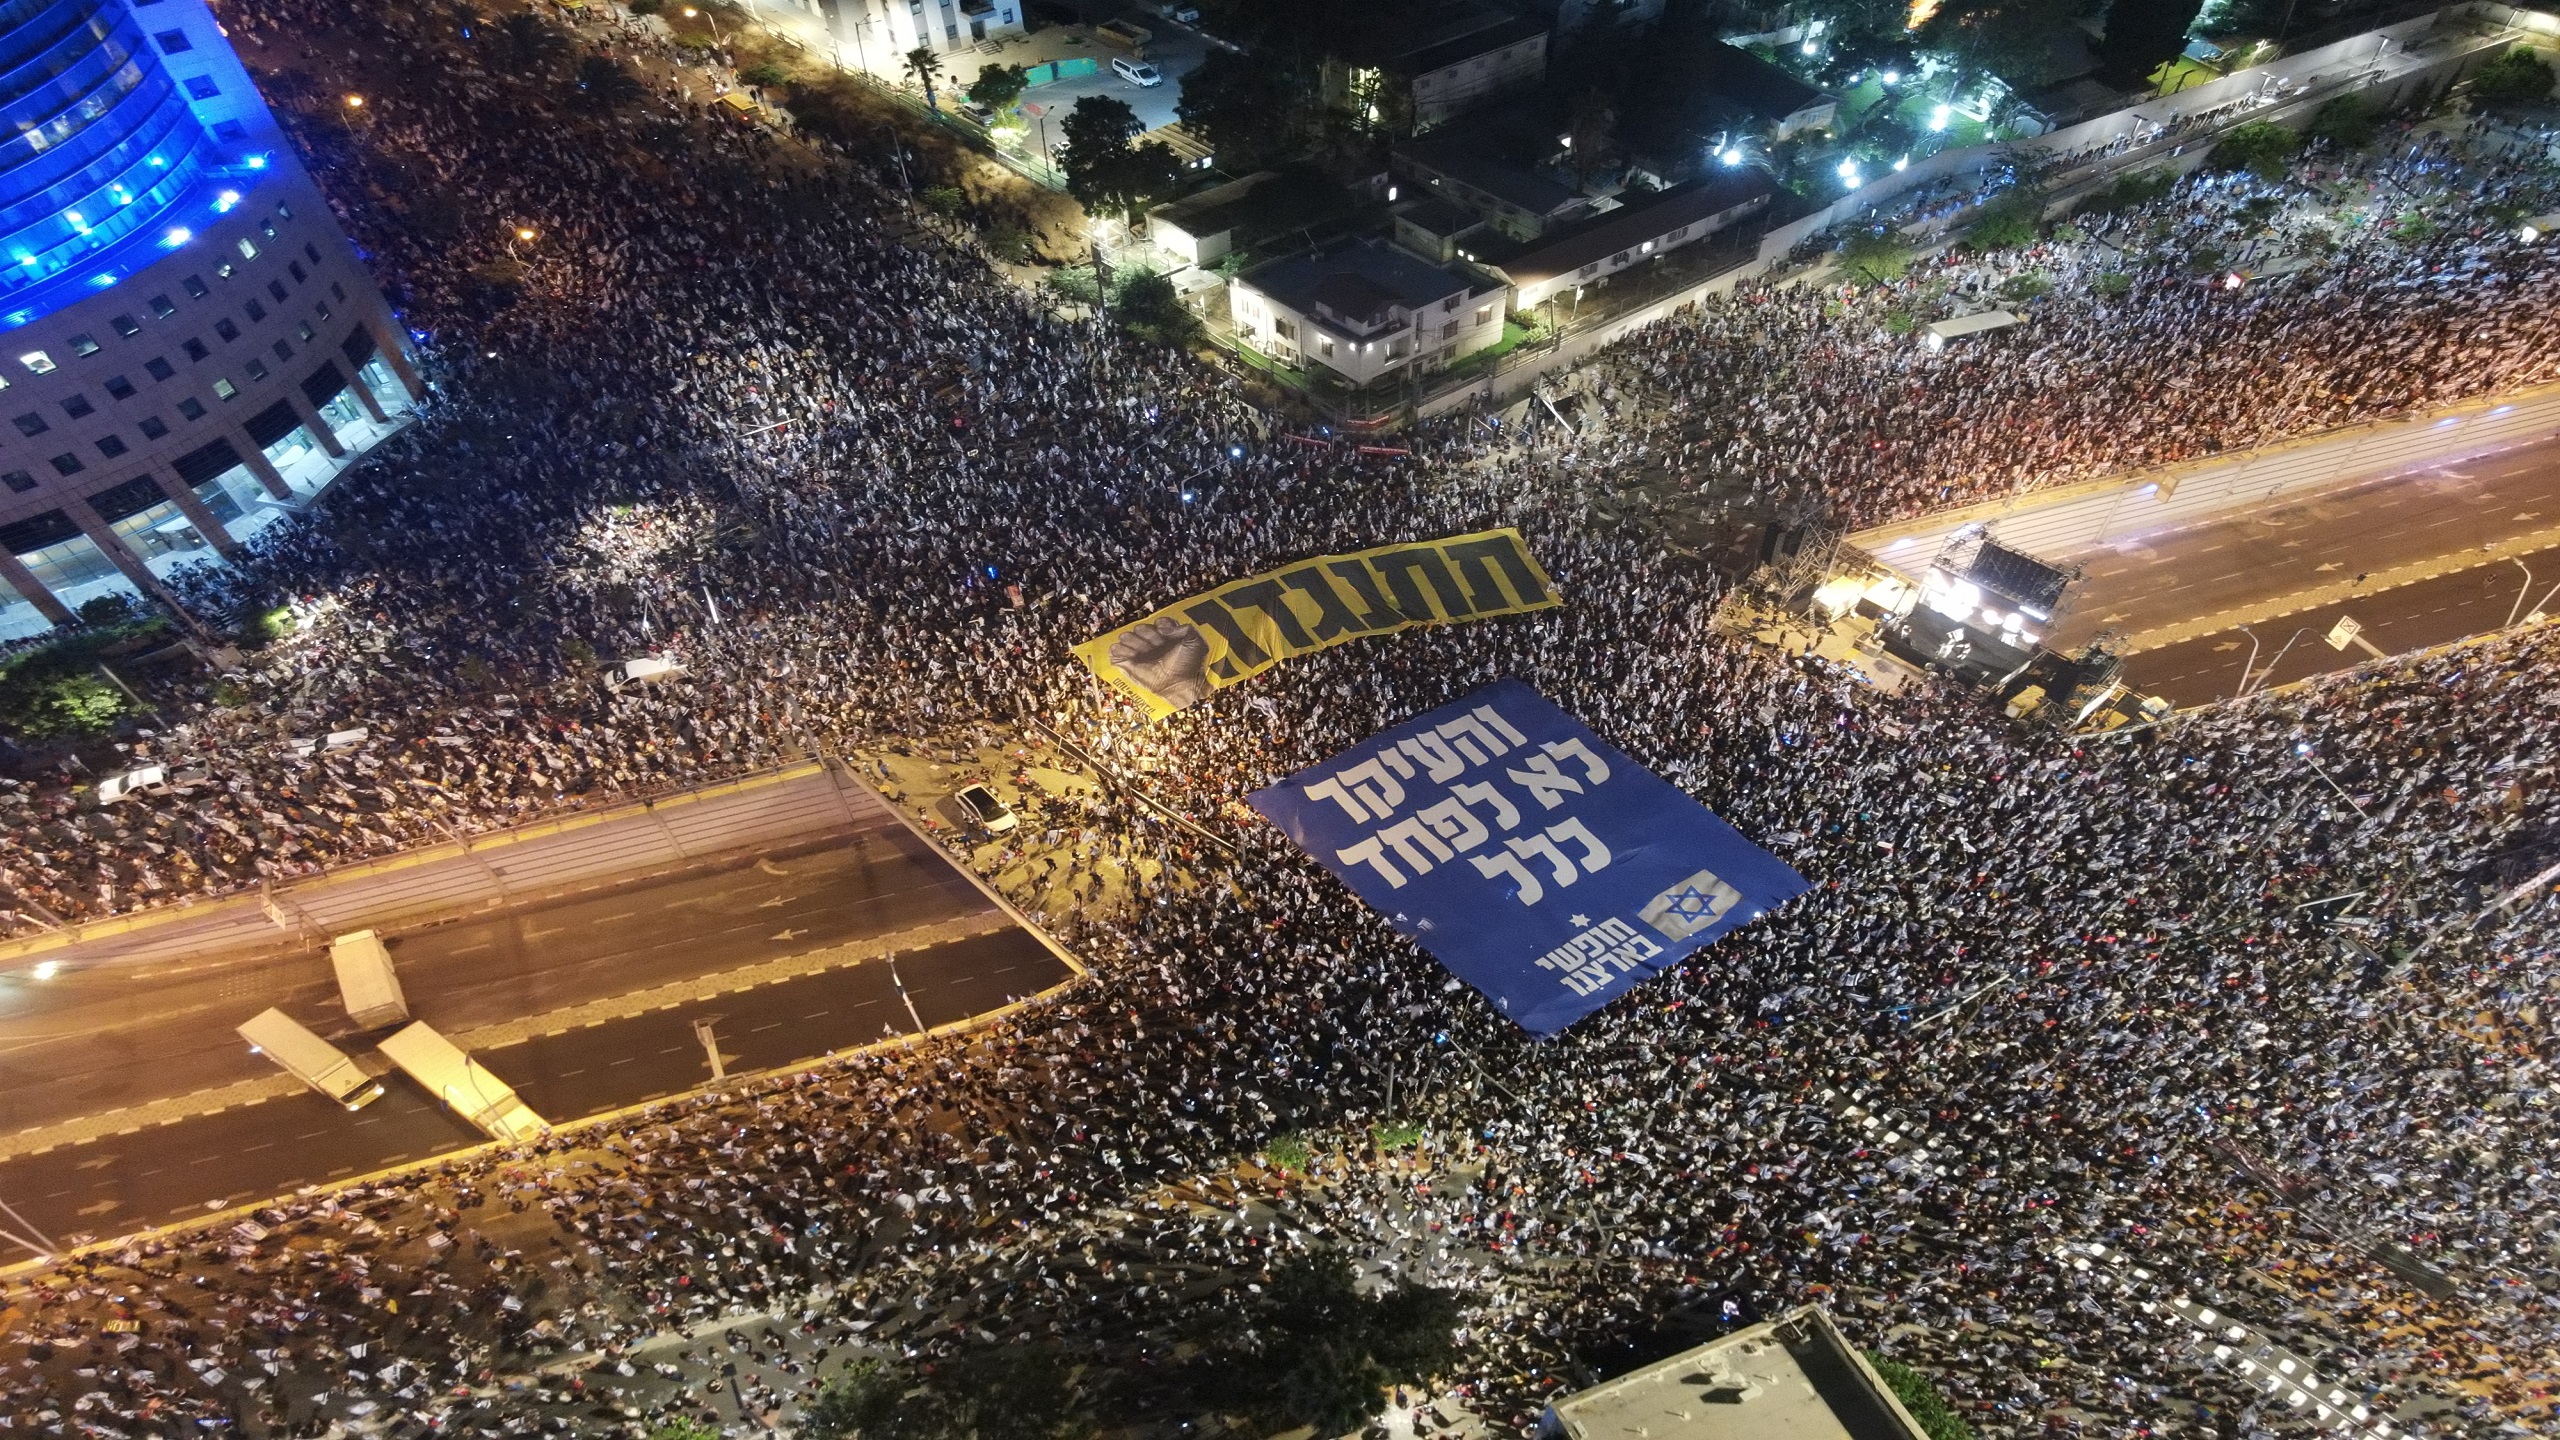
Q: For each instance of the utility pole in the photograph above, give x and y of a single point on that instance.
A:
(909, 1000)
(711, 1046)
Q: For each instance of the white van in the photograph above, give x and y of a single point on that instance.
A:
(646, 670)
(1136, 72)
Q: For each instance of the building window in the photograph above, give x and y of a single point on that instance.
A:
(247, 247)
(1285, 329)
(153, 427)
(195, 349)
(224, 390)
(159, 368)
(174, 42)
(67, 464)
(39, 362)
(323, 312)
(283, 351)
(337, 292)
(1450, 330)
(311, 251)
(1324, 347)
(202, 87)
(257, 312)
(1590, 270)
(19, 481)
(78, 407)
(111, 446)
(226, 329)
(126, 326)
(163, 306)
(302, 330)
(267, 228)
(1484, 314)
(192, 408)
(1677, 234)
(1618, 259)
(195, 287)
(230, 132)
(119, 387)
(257, 371)
(1452, 302)
(223, 271)
(299, 274)
(32, 423)
(83, 345)
(285, 212)
(276, 288)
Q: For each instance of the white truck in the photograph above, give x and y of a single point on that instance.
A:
(367, 984)
(313, 1061)
(462, 1083)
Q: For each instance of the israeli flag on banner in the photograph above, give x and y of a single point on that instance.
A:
(1538, 864)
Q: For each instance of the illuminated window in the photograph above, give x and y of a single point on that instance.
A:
(248, 250)
(83, 345)
(225, 390)
(39, 362)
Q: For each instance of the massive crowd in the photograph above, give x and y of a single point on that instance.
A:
(2075, 973)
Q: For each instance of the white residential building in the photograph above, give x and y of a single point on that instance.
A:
(1364, 312)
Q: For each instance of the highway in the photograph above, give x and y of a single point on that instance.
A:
(2418, 559)
(206, 1162)
(110, 1036)
(804, 947)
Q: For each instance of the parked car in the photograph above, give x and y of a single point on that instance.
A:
(977, 112)
(986, 811)
(1176, 10)
(1136, 72)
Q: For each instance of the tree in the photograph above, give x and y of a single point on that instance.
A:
(999, 87)
(2018, 40)
(684, 1427)
(1252, 108)
(1105, 172)
(871, 1399)
(1325, 1351)
(1592, 134)
(2255, 19)
(762, 74)
(604, 85)
(2518, 77)
(926, 66)
(1875, 256)
(2142, 37)
(2012, 218)
(2261, 147)
(1149, 305)
(528, 42)
(2347, 122)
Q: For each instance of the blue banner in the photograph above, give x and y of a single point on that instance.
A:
(1538, 864)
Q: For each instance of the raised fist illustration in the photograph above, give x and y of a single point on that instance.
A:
(1169, 658)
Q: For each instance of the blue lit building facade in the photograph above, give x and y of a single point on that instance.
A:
(190, 348)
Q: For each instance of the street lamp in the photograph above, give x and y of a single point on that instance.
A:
(2518, 608)
(2303, 749)
(713, 21)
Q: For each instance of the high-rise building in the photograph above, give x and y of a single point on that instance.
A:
(189, 346)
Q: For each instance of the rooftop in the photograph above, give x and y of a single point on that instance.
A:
(1359, 283)
(1482, 34)
(1641, 219)
(1258, 207)
(1793, 1378)
(1753, 84)
(1469, 165)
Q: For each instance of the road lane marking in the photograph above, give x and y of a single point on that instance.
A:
(627, 1059)
(776, 1025)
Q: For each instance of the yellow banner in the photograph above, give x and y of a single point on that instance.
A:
(1175, 657)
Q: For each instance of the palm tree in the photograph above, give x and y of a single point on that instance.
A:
(925, 66)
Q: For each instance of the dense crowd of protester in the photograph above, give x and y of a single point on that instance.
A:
(741, 410)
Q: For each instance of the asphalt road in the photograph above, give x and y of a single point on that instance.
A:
(2148, 582)
(2411, 617)
(102, 1038)
(233, 1156)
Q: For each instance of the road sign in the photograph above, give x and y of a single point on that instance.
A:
(2344, 633)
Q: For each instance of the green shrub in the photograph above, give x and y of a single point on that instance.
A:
(1875, 256)
(1922, 1399)
(2112, 284)
(2518, 77)
(2013, 218)
(2261, 147)
(1289, 1152)
(762, 73)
